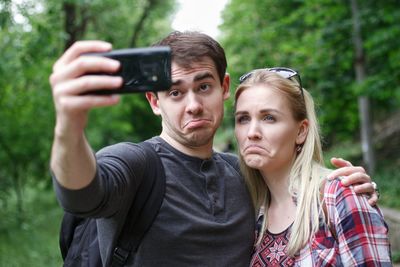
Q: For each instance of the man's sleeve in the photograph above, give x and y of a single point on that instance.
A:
(361, 230)
(118, 174)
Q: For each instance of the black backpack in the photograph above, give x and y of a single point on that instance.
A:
(78, 236)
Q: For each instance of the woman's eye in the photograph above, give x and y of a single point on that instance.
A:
(269, 118)
(242, 119)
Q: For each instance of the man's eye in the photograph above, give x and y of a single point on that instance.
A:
(205, 87)
(174, 93)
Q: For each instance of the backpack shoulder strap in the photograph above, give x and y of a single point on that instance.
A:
(144, 208)
(68, 225)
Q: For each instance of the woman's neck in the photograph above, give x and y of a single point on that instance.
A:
(278, 184)
(282, 209)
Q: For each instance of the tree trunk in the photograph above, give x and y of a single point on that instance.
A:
(75, 22)
(5, 14)
(139, 25)
(363, 101)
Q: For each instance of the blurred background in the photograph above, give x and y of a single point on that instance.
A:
(347, 52)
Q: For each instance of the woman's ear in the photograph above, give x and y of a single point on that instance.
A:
(302, 132)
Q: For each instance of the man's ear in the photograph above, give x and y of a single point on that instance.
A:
(225, 86)
(302, 132)
(153, 101)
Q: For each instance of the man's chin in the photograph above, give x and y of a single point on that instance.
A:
(200, 137)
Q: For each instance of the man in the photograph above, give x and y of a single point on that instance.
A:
(206, 218)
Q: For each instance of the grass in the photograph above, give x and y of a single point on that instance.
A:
(34, 241)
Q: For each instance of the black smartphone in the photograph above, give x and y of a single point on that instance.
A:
(142, 69)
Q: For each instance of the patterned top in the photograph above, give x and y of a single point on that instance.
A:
(358, 236)
(272, 250)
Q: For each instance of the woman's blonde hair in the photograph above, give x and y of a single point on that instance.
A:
(307, 170)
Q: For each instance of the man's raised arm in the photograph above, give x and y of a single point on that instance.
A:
(72, 160)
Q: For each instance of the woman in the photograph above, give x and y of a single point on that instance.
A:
(304, 220)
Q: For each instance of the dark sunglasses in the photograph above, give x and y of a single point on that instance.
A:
(282, 71)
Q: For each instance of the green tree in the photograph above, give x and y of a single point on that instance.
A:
(315, 37)
(32, 37)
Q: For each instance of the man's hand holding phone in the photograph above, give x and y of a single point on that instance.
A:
(89, 75)
(71, 78)
(71, 154)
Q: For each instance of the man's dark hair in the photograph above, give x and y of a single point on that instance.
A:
(191, 46)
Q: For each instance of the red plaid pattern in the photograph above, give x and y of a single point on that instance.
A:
(358, 234)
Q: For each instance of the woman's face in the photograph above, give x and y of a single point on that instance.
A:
(265, 129)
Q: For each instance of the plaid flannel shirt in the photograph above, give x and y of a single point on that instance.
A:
(357, 235)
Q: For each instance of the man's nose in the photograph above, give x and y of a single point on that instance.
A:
(194, 103)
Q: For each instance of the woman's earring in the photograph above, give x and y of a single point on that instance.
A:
(298, 149)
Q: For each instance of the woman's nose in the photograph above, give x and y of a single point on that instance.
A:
(254, 131)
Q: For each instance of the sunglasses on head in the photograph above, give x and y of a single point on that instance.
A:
(282, 71)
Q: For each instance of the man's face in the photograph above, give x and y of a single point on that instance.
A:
(193, 108)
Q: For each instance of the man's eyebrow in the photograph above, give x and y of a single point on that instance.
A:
(202, 76)
(198, 77)
(177, 82)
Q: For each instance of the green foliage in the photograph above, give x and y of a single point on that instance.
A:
(386, 176)
(116, 21)
(25, 105)
(315, 37)
(396, 257)
(32, 37)
(35, 242)
(131, 120)
(31, 45)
